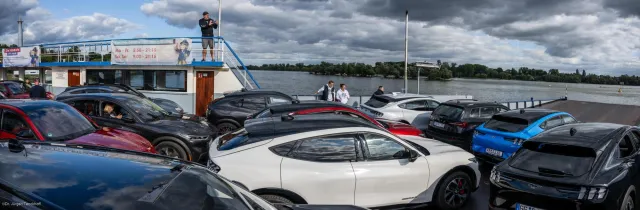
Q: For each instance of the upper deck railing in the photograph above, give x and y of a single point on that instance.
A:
(145, 51)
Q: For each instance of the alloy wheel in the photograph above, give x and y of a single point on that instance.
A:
(629, 205)
(169, 151)
(457, 192)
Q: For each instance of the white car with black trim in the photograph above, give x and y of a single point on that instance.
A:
(334, 159)
(409, 108)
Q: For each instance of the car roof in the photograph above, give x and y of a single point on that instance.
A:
(30, 103)
(88, 175)
(255, 92)
(395, 97)
(470, 103)
(531, 115)
(286, 124)
(590, 135)
(301, 105)
(117, 96)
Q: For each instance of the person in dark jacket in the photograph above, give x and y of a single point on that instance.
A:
(37, 91)
(328, 94)
(380, 91)
(206, 27)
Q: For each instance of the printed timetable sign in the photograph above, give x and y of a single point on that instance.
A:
(21, 57)
(151, 52)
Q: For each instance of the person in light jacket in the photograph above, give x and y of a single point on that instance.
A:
(342, 95)
(328, 94)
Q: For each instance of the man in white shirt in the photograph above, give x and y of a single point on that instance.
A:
(328, 94)
(343, 95)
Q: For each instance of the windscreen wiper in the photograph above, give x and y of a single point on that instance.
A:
(553, 171)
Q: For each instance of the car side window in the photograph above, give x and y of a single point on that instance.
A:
(568, 119)
(553, 122)
(112, 110)
(381, 147)
(88, 107)
(487, 112)
(14, 124)
(432, 105)
(474, 113)
(3, 89)
(626, 146)
(278, 100)
(336, 148)
(283, 149)
(254, 103)
(502, 109)
(414, 105)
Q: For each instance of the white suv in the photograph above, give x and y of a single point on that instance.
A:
(334, 159)
(408, 108)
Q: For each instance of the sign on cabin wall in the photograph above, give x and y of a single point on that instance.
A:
(151, 52)
(21, 57)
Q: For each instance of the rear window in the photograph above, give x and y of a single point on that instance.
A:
(449, 112)
(376, 102)
(554, 159)
(506, 124)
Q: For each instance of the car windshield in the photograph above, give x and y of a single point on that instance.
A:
(506, 124)
(376, 102)
(16, 88)
(448, 112)
(48, 121)
(146, 109)
(553, 159)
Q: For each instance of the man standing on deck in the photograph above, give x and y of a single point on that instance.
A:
(380, 91)
(37, 91)
(206, 26)
(327, 92)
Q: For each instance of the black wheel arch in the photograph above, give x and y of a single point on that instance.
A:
(465, 169)
(177, 140)
(294, 197)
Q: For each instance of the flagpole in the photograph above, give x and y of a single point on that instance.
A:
(220, 47)
(406, 50)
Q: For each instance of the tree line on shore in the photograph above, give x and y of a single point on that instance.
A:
(448, 71)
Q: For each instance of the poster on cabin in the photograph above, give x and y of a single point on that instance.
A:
(21, 57)
(174, 51)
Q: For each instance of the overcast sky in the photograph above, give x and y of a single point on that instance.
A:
(601, 36)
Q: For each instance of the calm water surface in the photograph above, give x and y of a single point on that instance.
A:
(303, 83)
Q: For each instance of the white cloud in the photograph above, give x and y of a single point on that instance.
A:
(142, 35)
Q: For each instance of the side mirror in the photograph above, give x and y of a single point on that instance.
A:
(411, 155)
(15, 146)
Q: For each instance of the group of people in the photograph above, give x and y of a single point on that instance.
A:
(341, 95)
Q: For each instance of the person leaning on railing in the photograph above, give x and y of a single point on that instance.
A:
(206, 26)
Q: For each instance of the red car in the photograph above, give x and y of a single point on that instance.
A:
(319, 107)
(16, 89)
(53, 121)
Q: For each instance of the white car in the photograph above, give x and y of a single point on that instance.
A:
(334, 159)
(408, 108)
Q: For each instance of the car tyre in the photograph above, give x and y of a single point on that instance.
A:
(171, 149)
(454, 191)
(226, 127)
(628, 203)
(276, 199)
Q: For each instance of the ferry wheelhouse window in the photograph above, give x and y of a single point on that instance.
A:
(154, 80)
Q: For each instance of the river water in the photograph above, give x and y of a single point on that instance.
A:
(303, 83)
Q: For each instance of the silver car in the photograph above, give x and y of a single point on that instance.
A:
(408, 108)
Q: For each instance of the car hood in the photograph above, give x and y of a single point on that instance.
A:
(179, 125)
(321, 207)
(114, 138)
(434, 146)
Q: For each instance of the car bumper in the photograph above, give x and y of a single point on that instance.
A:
(507, 199)
(484, 157)
(453, 139)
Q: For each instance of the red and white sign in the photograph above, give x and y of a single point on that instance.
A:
(21, 57)
(151, 52)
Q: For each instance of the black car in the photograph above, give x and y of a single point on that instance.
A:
(171, 136)
(166, 104)
(228, 113)
(584, 166)
(295, 105)
(58, 176)
(454, 121)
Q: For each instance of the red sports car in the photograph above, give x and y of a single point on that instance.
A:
(320, 107)
(53, 121)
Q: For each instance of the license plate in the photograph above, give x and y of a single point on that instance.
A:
(525, 207)
(493, 152)
(437, 124)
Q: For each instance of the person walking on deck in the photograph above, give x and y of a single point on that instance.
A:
(328, 94)
(37, 91)
(342, 95)
(206, 26)
(380, 91)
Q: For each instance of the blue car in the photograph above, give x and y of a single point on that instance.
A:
(501, 136)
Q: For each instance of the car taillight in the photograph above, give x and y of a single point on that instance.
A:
(460, 124)
(592, 193)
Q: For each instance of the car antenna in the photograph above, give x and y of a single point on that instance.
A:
(573, 131)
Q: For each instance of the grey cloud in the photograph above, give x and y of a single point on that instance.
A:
(10, 10)
(624, 7)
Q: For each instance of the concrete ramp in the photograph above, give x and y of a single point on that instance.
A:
(598, 112)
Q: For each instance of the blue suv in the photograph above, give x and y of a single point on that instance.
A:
(501, 136)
